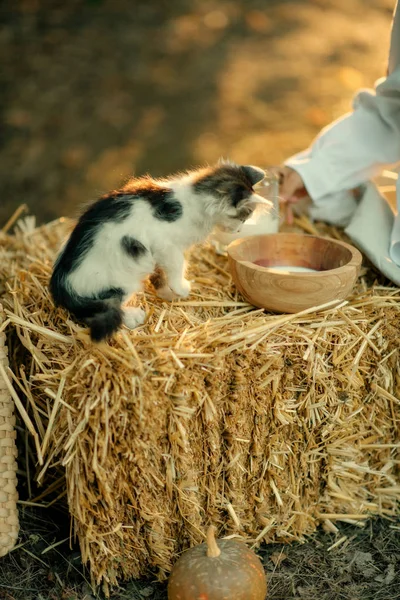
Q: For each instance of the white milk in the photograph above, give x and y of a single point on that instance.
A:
(291, 269)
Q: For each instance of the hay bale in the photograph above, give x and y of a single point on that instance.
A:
(213, 411)
(8, 452)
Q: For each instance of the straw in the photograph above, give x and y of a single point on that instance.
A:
(212, 411)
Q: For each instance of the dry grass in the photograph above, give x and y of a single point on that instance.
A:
(214, 411)
(39, 569)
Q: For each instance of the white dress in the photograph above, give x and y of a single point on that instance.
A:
(349, 153)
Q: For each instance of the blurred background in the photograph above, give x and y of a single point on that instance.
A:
(94, 91)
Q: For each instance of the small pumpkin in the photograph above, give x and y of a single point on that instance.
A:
(227, 570)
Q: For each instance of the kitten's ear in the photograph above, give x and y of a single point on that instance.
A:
(255, 174)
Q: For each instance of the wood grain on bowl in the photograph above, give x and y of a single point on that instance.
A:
(252, 259)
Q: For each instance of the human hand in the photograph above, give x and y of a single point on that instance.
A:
(291, 190)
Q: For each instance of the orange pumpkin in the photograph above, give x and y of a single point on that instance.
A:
(227, 570)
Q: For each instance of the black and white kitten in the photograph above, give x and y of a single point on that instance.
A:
(143, 229)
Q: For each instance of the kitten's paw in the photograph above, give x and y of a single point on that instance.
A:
(165, 293)
(182, 289)
(133, 317)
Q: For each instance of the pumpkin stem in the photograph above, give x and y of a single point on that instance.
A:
(212, 547)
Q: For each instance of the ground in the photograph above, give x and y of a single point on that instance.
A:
(365, 567)
(95, 91)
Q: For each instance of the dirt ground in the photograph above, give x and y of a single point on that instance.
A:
(365, 567)
(93, 91)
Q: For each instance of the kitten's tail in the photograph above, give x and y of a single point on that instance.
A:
(102, 315)
(106, 320)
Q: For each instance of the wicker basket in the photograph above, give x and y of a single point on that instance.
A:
(8, 452)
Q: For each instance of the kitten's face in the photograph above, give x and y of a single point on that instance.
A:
(232, 190)
(240, 202)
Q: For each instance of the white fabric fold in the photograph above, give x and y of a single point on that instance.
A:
(395, 234)
(371, 227)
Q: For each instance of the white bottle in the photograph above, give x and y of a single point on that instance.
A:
(265, 218)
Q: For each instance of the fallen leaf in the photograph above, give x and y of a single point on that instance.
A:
(388, 577)
(277, 558)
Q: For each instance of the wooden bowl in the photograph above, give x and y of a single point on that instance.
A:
(337, 265)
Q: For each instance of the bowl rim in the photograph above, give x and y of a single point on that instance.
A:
(354, 262)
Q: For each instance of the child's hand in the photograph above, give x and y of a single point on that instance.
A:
(291, 190)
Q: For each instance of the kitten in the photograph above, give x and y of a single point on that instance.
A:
(143, 229)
